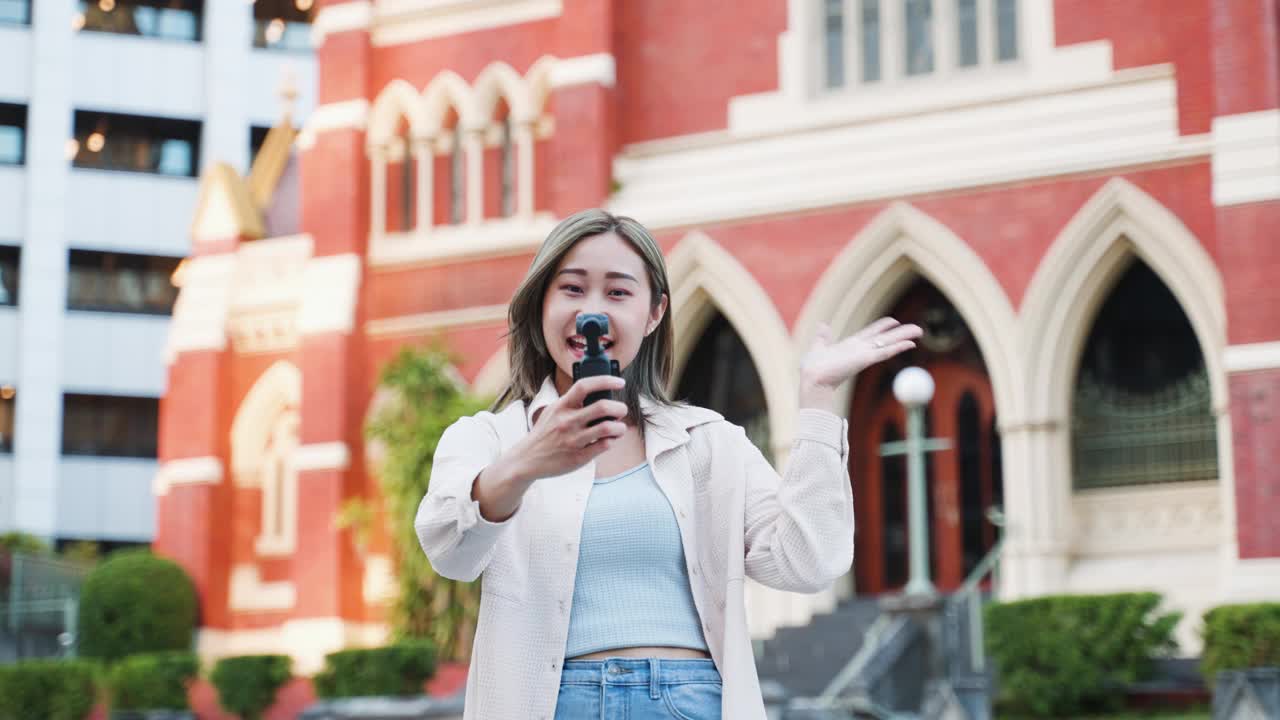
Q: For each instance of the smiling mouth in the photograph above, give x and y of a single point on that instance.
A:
(578, 343)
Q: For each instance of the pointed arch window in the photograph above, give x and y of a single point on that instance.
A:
(279, 482)
(457, 210)
(1141, 409)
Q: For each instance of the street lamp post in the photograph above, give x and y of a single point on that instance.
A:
(914, 387)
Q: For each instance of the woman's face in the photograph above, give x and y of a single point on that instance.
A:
(600, 274)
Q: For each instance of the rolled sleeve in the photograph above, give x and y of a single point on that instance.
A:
(457, 539)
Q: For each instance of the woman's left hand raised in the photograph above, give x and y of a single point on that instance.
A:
(827, 363)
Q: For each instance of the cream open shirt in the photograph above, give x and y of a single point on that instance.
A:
(737, 518)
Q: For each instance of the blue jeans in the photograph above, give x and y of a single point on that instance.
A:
(639, 689)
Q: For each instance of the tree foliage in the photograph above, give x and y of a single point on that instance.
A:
(426, 399)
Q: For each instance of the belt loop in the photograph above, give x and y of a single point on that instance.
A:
(655, 690)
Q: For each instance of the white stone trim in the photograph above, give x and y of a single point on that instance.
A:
(897, 245)
(1120, 221)
(277, 390)
(600, 69)
(205, 470)
(406, 21)
(306, 640)
(379, 584)
(1124, 121)
(341, 115)
(330, 291)
(1246, 158)
(1154, 519)
(322, 456)
(706, 278)
(491, 238)
(200, 312)
(1253, 580)
(250, 594)
(1251, 356)
(340, 17)
(423, 323)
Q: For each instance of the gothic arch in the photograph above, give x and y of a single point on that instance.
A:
(538, 81)
(706, 278)
(1118, 223)
(499, 81)
(277, 390)
(397, 100)
(448, 90)
(881, 260)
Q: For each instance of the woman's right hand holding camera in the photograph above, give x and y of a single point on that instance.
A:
(561, 440)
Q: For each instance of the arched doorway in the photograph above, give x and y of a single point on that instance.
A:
(963, 482)
(720, 375)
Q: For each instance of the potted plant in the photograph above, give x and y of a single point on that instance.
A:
(1242, 659)
(152, 686)
(247, 685)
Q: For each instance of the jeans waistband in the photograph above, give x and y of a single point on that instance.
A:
(639, 671)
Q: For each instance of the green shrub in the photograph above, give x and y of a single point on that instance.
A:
(1064, 655)
(247, 685)
(1240, 636)
(47, 689)
(136, 602)
(153, 681)
(398, 669)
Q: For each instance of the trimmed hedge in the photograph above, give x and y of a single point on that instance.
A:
(136, 602)
(399, 669)
(1240, 636)
(47, 689)
(153, 681)
(247, 685)
(1066, 655)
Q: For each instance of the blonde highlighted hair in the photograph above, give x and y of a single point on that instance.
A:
(649, 373)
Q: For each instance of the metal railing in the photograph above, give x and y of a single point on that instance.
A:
(39, 606)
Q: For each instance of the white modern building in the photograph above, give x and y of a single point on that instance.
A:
(108, 111)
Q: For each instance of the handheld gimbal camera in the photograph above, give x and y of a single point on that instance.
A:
(595, 362)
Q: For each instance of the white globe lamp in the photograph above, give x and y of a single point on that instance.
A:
(913, 387)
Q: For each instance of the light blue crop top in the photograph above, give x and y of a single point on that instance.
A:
(632, 587)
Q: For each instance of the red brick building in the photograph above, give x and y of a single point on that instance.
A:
(1080, 199)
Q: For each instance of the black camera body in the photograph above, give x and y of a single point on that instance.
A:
(596, 361)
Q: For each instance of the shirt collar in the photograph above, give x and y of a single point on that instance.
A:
(546, 395)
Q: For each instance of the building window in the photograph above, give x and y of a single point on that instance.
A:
(7, 395)
(283, 24)
(9, 261)
(135, 143)
(870, 41)
(13, 134)
(720, 375)
(919, 45)
(257, 136)
(507, 189)
(833, 29)
(15, 12)
(161, 19)
(109, 425)
(870, 56)
(117, 282)
(455, 178)
(1142, 409)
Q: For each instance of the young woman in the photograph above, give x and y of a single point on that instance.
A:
(614, 553)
